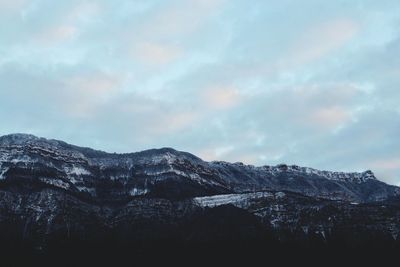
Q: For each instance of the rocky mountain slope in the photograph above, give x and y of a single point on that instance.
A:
(169, 173)
(53, 194)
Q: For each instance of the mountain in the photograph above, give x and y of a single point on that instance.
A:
(168, 173)
(57, 195)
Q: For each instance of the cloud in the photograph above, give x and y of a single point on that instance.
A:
(12, 5)
(84, 93)
(221, 97)
(319, 40)
(313, 106)
(58, 34)
(66, 92)
(155, 54)
(179, 18)
(387, 164)
(84, 11)
(331, 116)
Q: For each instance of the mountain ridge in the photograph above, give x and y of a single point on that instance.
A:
(25, 138)
(61, 198)
(155, 171)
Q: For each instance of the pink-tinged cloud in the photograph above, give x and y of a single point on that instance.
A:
(84, 94)
(387, 164)
(320, 40)
(388, 172)
(155, 117)
(155, 54)
(179, 18)
(175, 122)
(84, 11)
(330, 117)
(216, 153)
(221, 97)
(98, 85)
(70, 24)
(12, 5)
(323, 108)
(161, 37)
(57, 34)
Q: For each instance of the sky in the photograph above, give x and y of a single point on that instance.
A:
(307, 82)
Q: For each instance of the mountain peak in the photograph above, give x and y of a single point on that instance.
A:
(18, 137)
(168, 152)
(162, 150)
(22, 139)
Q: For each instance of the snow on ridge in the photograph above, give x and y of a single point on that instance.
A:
(90, 190)
(276, 170)
(339, 176)
(238, 200)
(2, 172)
(77, 170)
(187, 174)
(14, 153)
(138, 191)
(331, 175)
(17, 138)
(55, 182)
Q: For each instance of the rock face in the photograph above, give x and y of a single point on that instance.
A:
(55, 193)
(168, 173)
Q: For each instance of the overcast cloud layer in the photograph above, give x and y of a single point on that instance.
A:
(310, 82)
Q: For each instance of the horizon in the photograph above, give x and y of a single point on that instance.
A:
(309, 83)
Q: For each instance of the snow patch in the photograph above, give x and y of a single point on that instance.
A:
(77, 170)
(138, 191)
(55, 182)
(3, 172)
(85, 189)
(23, 159)
(280, 195)
(238, 200)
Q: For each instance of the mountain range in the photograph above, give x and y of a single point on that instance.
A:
(56, 197)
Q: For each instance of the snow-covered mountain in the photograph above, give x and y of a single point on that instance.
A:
(53, 193)
(169, 173)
